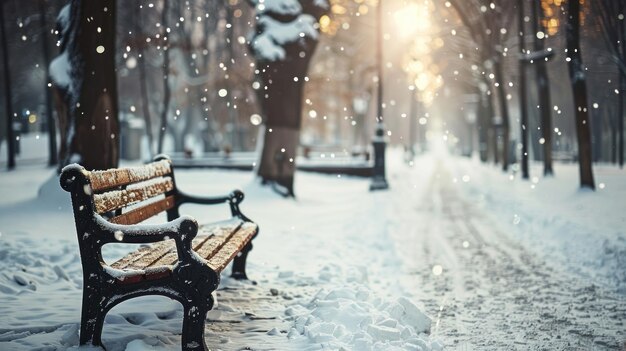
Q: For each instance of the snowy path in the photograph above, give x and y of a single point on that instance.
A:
(493, 293)
(334, 266)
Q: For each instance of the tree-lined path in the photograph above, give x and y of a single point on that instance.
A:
(488, 291)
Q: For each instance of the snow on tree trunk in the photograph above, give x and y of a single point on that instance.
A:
(85, 84)
(579, 88)
(286, 37)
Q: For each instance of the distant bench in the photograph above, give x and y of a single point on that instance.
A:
(108, 207)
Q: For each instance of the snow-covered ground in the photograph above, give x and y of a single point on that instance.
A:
(454, 255)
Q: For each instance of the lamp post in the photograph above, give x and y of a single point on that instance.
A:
(412, 117)
(379, 181)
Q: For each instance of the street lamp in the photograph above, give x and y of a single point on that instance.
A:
(379, 181)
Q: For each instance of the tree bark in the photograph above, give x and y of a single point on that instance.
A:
(579, 88)
(281, 104)
(522, 94)
(7, 92)
(620, 118)
(145, 103)
(596, 126)
(90, 103)
(622, 83)
(52, 135)
(543, 92)
(504, 110)
(493, 130)
(483, 121)
(613, 143)
(166, 78)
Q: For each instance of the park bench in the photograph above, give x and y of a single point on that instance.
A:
(184, 260)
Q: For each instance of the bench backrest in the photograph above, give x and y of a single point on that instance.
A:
(130, 195)
(116, 189)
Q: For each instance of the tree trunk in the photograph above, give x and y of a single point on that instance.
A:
(194, 110)
(523, 96)
(166, 78)
(622, 83)
(493, 129)
(483, 121)
(613, 144)
(52, 135)
(543, 92)
(7, 92)
(282, 106)
(283, 80)
(236, 143)
(596, 128)
(579, 88)
(143, 86)
(504, 110)
(620, 118)
(90, 102)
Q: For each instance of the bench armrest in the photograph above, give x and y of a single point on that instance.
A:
(183, 230)
(233, 199)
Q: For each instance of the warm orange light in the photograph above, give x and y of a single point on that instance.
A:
(412, 19)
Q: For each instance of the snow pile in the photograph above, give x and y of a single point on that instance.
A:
(355, 318)
(346, 313)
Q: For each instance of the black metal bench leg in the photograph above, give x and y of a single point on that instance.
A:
(92, 319)
(193, 325)
(239, 263)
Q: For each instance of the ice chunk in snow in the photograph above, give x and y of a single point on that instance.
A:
(293, 333)
(383, 333)
(414, 317)
(436, 346)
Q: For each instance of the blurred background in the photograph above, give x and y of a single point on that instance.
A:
(438, 74)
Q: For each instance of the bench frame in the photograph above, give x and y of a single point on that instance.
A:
(191, 281)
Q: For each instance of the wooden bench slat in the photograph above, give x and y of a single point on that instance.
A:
(126, 261)
(116, 199)
(142, 213)
(136, 276)
(158, 250)
(219, 237)
(164, 253)
(112, 178)
(208, 241)
(222, 258)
